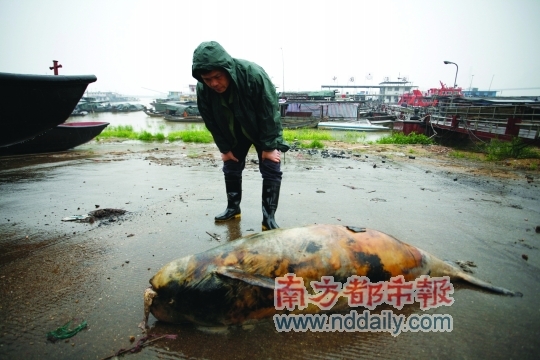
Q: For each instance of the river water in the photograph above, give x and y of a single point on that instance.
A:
(142, 122)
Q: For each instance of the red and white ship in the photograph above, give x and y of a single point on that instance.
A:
(430, 97)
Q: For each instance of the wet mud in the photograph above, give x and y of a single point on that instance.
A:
(53, 271)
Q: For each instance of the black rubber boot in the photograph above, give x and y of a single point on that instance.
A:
(234, 196)
(270, 197)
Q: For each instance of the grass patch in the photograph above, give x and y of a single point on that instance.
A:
(121, 131)
(292, 135)
(456, 154)
(515, 149)
(307, 138)
(402, 139)
(195, 134)
(145, 136)
(315, 144)
(353, 137)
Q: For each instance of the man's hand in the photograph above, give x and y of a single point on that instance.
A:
(228, 156)
(274, 155)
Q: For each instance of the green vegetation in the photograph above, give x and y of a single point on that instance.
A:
(457, 154)
(402, 139)
(352, 137)
(145, 136)
(307, 138)
(122, 131)
(314, 138)
(464, 155)
(291, 135)
(315, 144)
(516, 149)
(197, 134)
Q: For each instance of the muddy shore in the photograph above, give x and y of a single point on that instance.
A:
(54, 271)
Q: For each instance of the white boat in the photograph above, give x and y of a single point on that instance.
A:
(358, 125)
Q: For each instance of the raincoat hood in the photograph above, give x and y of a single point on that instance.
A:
(209, 56)
(252, 100)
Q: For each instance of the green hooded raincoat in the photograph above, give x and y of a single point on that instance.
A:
(255, 104)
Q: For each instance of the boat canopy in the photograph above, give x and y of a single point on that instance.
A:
(179, 109)
(340, 109)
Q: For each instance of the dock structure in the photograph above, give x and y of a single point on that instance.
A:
(503, 122)
(480, 119)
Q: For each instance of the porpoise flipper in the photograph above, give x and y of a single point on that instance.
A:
(252, 279)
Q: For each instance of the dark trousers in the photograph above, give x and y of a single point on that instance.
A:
(233, 170)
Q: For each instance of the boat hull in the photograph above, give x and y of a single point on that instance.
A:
(59, 138)
(188, 119)
(153, 113)
(299, 122)
(33, 104)
(351, 126)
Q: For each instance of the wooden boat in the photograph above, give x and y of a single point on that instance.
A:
(410, 126)
(359, 125)
(153, 113)
(59, 138)
(189, 118)
(77, 112)
(33, 104)
(299, 122)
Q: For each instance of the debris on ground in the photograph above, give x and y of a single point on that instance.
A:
(144, 341)
(64, 332)
(215, 236)
(99, 214)
(106, 213)
(465, 265)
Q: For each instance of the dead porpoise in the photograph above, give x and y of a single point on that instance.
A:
(233, 284)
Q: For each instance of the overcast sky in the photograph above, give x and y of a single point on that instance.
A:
(136, 45)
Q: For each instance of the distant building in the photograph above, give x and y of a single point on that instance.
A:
(190, 95)
(391, 91)
(307, 95)
(479, 93)
(108, 96)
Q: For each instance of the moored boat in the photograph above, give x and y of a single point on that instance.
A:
(299, 122)
(59, 138)
(187, 118)
(360, 125)
(53, 97)
(153, 113)
(186, 112)
(410, 126)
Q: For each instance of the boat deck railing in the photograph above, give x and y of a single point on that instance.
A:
(515, 120)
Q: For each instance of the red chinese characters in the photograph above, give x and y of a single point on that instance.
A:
(290, 292)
